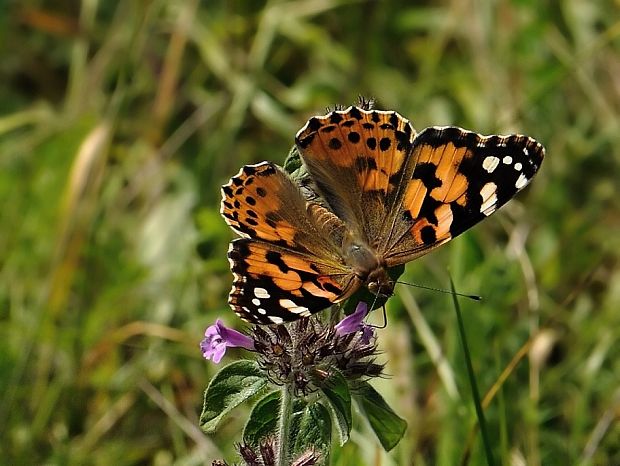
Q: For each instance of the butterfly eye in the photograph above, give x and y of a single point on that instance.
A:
(374, 287)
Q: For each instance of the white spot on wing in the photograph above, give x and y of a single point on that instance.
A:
(490, 163)
(261, 311)
(518, 166)
(294, 308)
(256, 301)
(507, 160)
(489, 196)
(521, 181)
(525, 151)
(261, 293)
(276, 319)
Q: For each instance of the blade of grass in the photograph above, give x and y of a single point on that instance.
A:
(431, 344)
(472, 379)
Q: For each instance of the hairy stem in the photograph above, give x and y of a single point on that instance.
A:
(284, 423)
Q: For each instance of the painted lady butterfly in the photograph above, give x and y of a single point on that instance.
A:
(385, 197)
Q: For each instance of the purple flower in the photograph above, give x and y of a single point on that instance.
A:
(355, 323)
(368, 333)
(218, 338)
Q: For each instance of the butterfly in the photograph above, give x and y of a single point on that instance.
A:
(384, 195)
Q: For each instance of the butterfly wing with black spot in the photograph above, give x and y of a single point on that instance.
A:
(288, 263)
(273, 285)
(263, 203)
(356, 158)
(457, 179)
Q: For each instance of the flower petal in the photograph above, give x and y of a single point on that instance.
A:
(218, 337)
(353, 322)
(218, 353)
(214, 329)
(368, 333)
(233, 338)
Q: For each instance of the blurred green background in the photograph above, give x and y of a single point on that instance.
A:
(119, 121)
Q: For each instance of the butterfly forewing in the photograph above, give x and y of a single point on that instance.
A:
(356, 159)
(458, 179)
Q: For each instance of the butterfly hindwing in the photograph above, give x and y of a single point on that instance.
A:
(459, 178)
(274, 284)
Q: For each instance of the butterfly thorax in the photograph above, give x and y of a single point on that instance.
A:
(369, 268)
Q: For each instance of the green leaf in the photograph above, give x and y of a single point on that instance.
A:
(314, 431)
(294, 166)
(292, 161)
(386, 424)
(263, 420)
(336, 392)
(229, 388)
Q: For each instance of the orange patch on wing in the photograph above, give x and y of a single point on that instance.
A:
(426, 154)
(393, 163)
(267, 236)
(447, 171)
(285, 230)
(269, 270)
(316, 291)
(297, 263)
(457, 189)
(324, 280)
(340, 157)
(414, 197)
(437, 154)
(286, 283)
(444, 221)
(375, 180)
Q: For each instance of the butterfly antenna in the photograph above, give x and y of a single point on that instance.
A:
(473, 297)
(374, 301)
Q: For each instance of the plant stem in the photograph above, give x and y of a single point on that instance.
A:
(284, 423)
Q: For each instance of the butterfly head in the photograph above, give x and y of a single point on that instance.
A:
(370, 269)
(379, 283)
